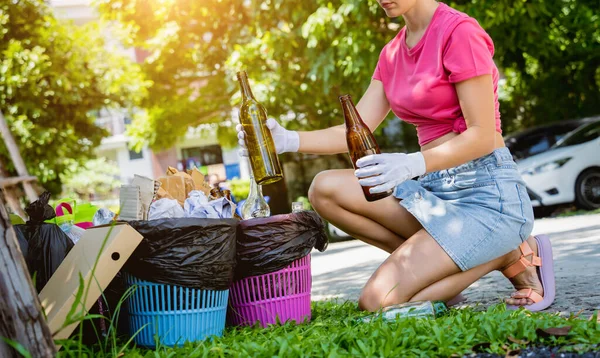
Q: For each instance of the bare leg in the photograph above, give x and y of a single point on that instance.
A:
(338, 198)
(406, 272)
(450, 286)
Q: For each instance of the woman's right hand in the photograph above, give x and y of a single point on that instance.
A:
(285, 140)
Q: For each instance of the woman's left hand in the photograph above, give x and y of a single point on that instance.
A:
(385, 171)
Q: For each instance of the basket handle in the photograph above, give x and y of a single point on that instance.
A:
(59, 209)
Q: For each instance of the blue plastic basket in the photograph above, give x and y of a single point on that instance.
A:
(174, 314)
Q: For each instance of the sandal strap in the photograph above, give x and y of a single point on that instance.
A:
(523, 263)
(531, 294)
(526, 249)
(516, 268)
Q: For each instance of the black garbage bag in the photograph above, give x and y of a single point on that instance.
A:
(188, 252)
(267, 245)
(44, 246)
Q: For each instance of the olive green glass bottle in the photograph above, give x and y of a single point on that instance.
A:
(261, 148)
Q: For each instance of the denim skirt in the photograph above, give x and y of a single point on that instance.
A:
(477, 211)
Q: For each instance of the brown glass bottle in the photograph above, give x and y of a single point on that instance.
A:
(261, 149)
(360, 141)
(215, 193)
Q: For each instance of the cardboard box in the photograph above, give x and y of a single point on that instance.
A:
(58, 296)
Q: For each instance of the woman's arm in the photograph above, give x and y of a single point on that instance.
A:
(373, 107)
(476, 98)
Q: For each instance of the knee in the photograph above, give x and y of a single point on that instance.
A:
(369, 300)
(380, 293)
(372, 301)
(323, 188)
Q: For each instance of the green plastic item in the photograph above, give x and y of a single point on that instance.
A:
(80, 213)
(16, 220)
(85, 212)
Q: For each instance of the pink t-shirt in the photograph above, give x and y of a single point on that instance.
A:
(419, 81)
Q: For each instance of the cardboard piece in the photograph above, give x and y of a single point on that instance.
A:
(162, 194)
(58, 296)
(177, 187)
(199, 182)
(130, 200)
(171, 171)
(147, 193)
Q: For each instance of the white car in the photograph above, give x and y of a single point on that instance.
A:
(569, 171)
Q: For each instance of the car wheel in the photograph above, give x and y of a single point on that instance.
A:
(587, 189)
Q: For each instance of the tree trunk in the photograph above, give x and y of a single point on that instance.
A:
(17, 160)
(10, 194)
(13, 201)
(21, 319)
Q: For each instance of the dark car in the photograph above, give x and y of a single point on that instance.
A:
(537, 140)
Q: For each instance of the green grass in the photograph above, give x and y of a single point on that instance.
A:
(578, 212)
(335, 332)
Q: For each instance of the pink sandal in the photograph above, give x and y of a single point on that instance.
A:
(545, 270)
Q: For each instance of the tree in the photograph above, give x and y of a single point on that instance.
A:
(54, 76)
(195, 48)
(550, 54)
(302, 54)
(96, 178)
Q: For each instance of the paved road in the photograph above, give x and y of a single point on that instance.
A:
(342, 270)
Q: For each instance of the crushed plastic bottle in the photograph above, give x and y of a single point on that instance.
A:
(419, 309)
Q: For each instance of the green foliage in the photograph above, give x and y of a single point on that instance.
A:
(95, 177)
(297, 62)
(304, 200)
(549, 52)
(335, 332)
(53, 77)
(240, 188)
(185, 64)
(301, 55)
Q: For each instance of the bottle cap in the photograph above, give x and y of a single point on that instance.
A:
(439, 308)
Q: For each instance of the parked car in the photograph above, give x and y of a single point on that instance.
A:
(568, 170)
(539, 139)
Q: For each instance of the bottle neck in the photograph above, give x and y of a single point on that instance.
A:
(351, 116)
(244, 85)
(255, 189)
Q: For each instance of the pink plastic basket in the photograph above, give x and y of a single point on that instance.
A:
(275, 297)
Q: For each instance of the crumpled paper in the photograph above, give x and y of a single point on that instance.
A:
(103, 216)
(197, 205)
(165, 209)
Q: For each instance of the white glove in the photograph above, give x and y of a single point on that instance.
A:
(285, 140)
(385, 171)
